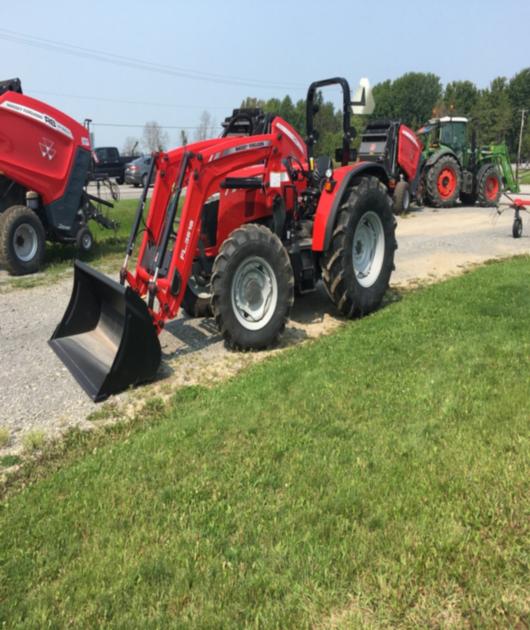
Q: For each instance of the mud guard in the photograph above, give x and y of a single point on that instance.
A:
(106, 338)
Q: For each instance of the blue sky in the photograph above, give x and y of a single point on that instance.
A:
(278, 47)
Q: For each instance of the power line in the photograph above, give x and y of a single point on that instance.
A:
(128, 102)
(137, 126)
(121, 60)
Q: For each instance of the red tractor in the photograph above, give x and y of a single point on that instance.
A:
(44, 162)
(237, 225)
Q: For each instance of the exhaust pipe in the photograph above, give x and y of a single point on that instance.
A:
(106, 337)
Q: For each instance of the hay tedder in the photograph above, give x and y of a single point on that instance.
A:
(235, 226)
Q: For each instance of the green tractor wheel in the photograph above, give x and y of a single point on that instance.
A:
(489, 185)
(443, 182)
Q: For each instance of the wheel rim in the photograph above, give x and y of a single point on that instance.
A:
(199, 290)
(86, 241)
(254, 293)
(25, 242)
(492, 187)
(446, 182)
(368, 249)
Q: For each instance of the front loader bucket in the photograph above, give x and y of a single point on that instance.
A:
(106, 337)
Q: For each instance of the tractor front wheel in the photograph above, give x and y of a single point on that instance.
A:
(489, 186)
(357, 266)
(443, 182)
(22, 240)
(252, 288)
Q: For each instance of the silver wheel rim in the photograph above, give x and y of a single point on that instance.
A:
(198, 290)
(25, 242)
(254, 293)
(86, 241)
(368, 249)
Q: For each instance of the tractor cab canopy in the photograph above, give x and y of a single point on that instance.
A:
(450, 131)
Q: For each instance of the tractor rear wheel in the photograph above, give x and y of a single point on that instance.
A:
(252, 288)
(357, 266)
(489, 185)
(401, 198)
(22, 240)
(443, 182)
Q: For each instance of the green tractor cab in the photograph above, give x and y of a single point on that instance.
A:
(454, 167)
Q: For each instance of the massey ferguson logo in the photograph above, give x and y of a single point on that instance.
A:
(47, 149)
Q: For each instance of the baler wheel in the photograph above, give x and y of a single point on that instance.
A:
(357, 266)
(252, 288)
(401, 198)
(84, 240)
(22, 240)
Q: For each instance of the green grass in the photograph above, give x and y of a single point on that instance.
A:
(4, 436)
(378, 477)
(108, 250)
(6, 461)
(524, 178)
(34, 440)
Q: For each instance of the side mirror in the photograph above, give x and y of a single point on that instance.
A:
(363, 100)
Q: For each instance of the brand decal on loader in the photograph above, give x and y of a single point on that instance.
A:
(187, 239)
(239, 149)
(47, 149)
(39, 116)
(291, 135)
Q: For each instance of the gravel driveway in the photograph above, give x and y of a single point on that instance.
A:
(38, 393)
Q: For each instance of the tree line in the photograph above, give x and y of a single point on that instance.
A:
(415, 97)
(412, 98)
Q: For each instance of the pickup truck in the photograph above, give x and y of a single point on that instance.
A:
(107, 162)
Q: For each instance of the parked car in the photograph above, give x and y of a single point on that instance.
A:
(137, 171)
(106, 162)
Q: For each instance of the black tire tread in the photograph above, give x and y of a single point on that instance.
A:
(237, 239)
(7, 257)
(195, 306)
(398, 198)
(333, 264)
(484, 172)
(431, 180)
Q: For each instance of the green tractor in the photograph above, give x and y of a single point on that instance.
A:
(455, 168)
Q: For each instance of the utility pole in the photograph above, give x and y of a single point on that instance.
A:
(523, 113)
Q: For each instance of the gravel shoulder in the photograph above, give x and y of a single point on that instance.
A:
(39, 394)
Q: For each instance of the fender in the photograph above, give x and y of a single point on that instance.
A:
(437, 155)
(330, 202)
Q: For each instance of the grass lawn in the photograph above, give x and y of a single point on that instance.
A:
(378, 477)
(524, 178)
(108, 250)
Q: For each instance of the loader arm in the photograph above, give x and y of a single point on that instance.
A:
(166, 255)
